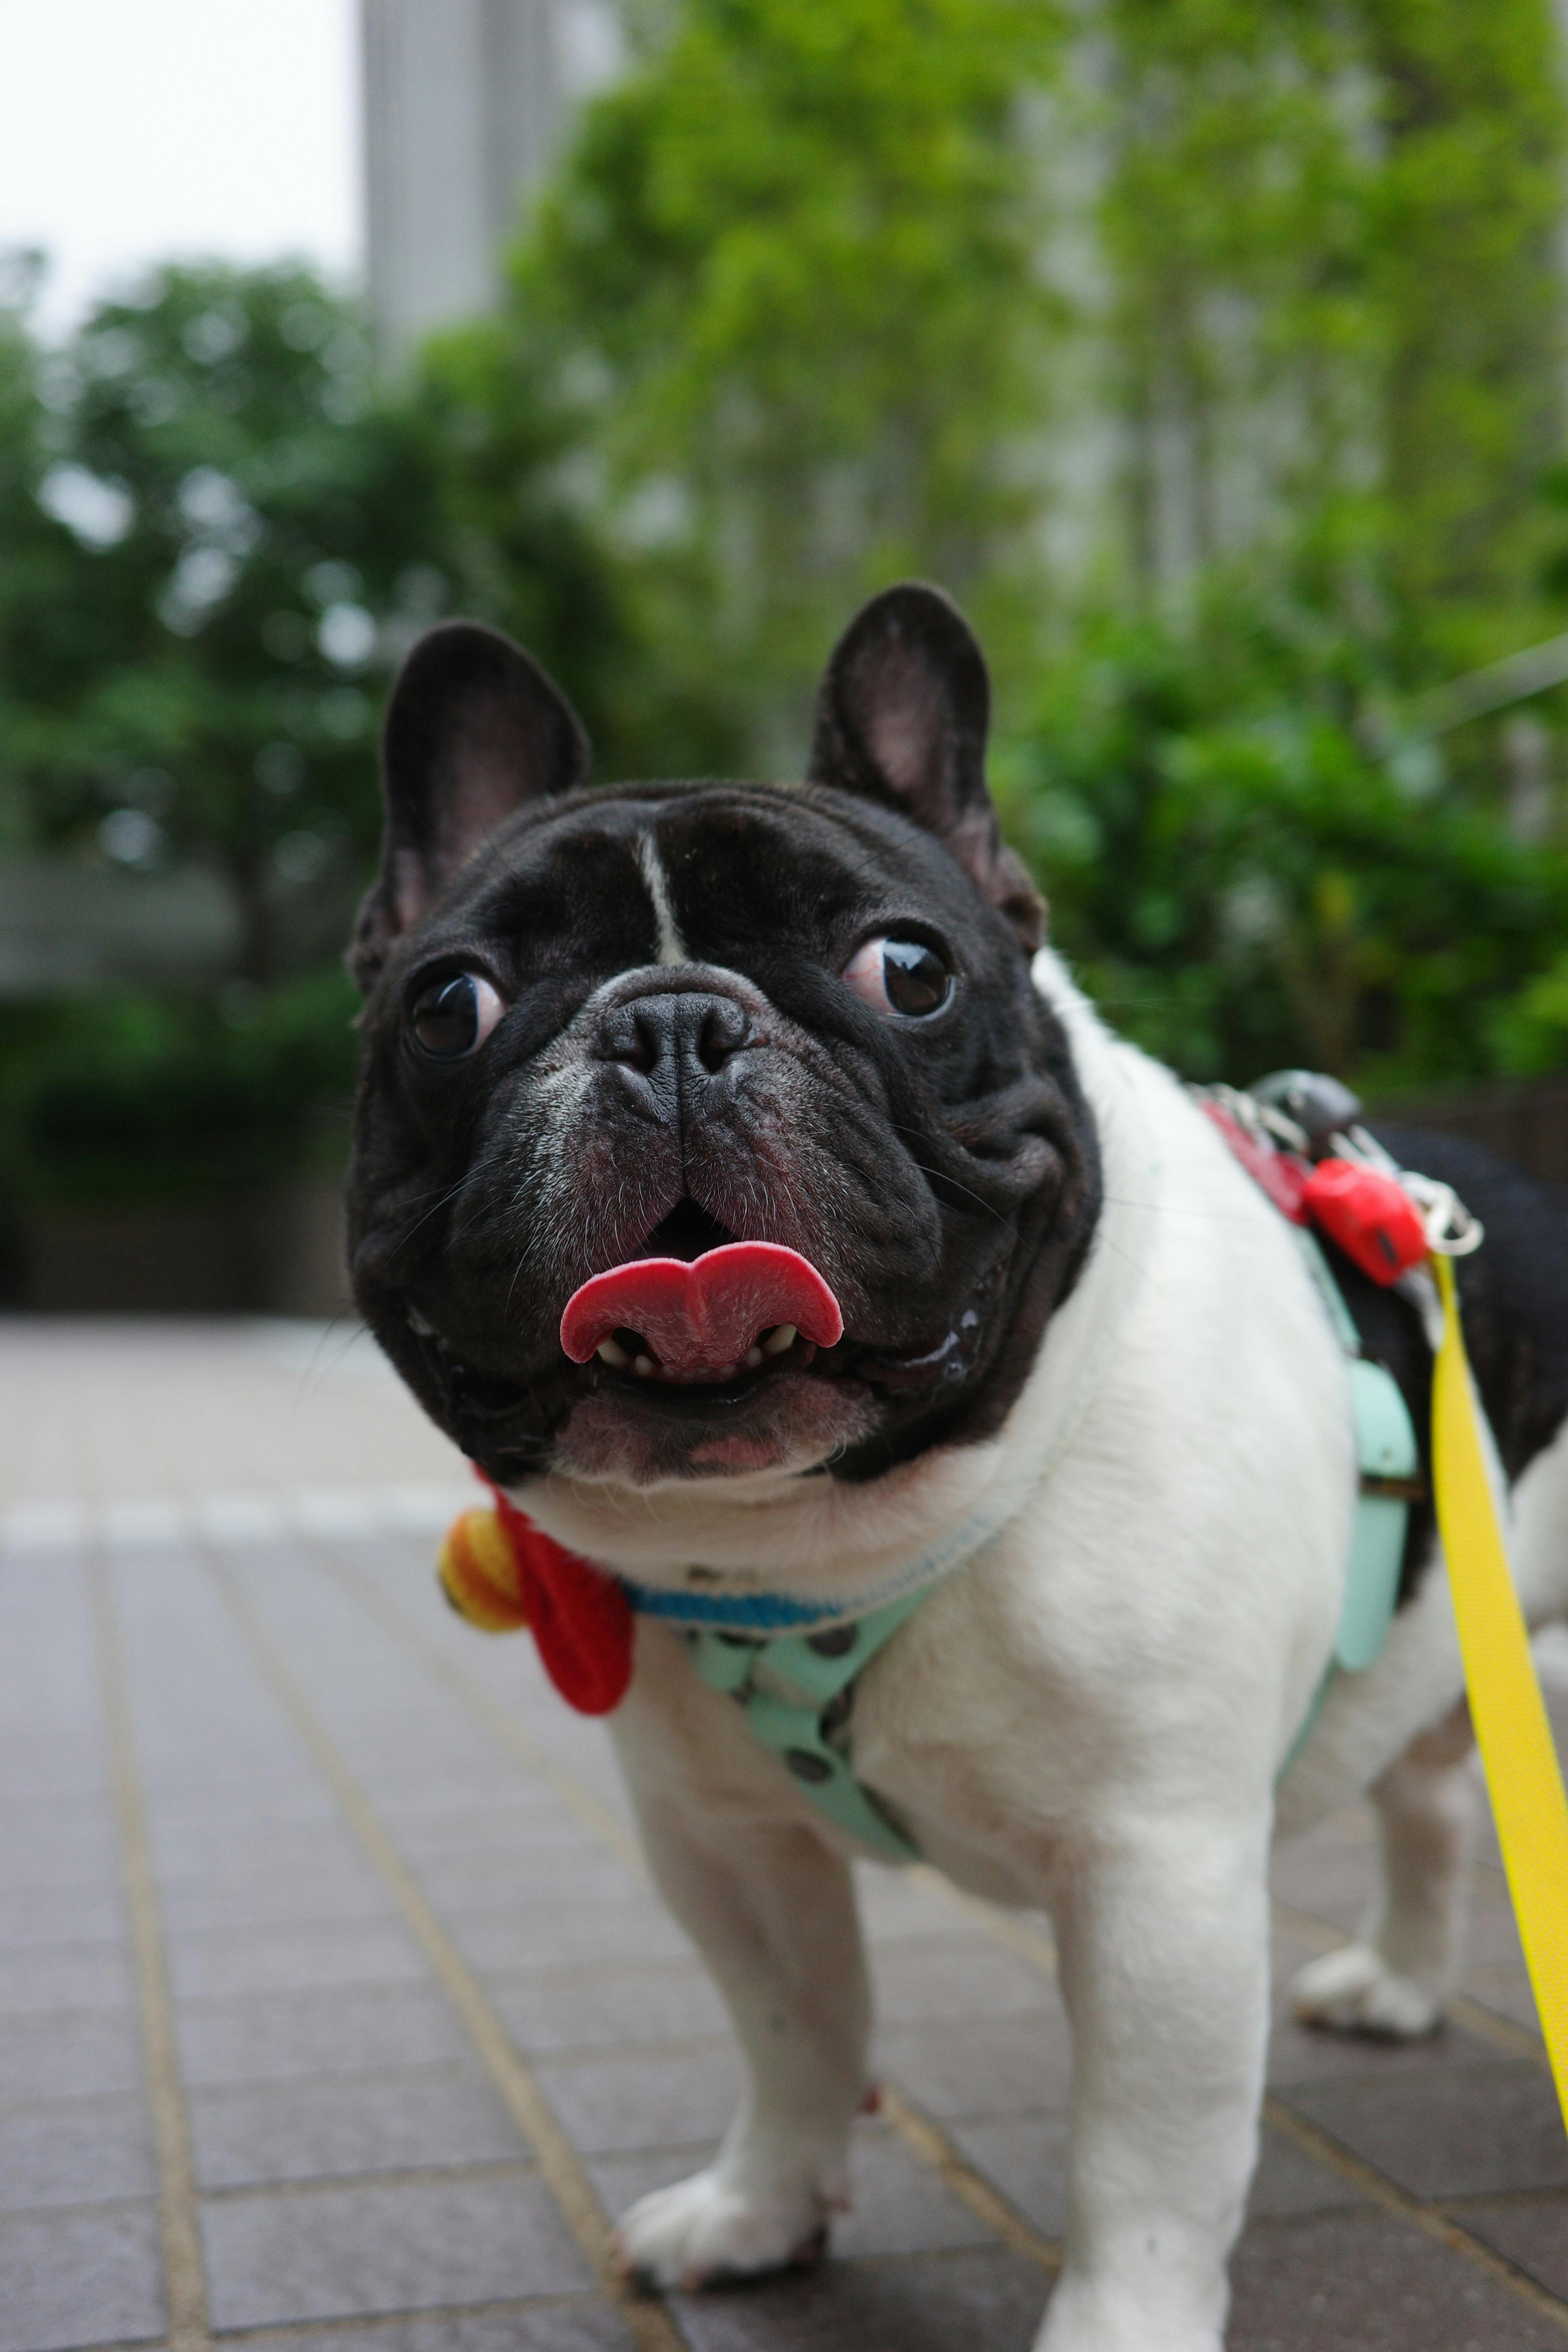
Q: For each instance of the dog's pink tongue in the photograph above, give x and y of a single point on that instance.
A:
(703, 1316)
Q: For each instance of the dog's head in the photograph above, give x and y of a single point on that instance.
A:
(655, 1020)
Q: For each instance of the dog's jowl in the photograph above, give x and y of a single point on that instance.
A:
(745, 1190)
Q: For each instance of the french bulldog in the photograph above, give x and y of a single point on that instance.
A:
(1081, 1391)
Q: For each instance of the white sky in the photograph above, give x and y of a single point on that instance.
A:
(130, 129)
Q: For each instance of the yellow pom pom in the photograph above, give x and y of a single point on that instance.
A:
(478, 1573)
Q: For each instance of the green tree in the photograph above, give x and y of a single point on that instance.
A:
(1334, 303)
(791, 279)
(1242, 886)
(242, 534)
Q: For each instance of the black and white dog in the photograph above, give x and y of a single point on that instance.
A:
(1082, 1372)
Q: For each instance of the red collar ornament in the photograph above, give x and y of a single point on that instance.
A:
(500, 1572)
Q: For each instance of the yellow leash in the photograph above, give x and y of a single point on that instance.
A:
(1505, 1705)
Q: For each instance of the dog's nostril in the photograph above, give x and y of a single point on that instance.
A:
(725, 1028)
(660, 1036)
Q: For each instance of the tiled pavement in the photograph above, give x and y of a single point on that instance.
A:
(335, 2014)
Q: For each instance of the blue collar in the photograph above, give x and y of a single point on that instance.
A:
(758, 1612)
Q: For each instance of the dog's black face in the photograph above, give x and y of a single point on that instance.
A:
(650, 1020)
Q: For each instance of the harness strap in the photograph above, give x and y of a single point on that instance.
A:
(798, 1690)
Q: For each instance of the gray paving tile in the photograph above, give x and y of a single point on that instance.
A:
(288, 1960)
(53, 1976)
(586, 2326)
(348, 2123)
(273, 2037)
(509, 1829)
(90, 1913)
(56, 2057)
(666, 2000)
(1302, 2053)
(1456, 2131)
(612, 2106)
(475, 1883)
(1505, 1991)
(79, 2278)
(1289, 2182)
(1358, 2283)
(986, 2298)
(57, 1852)
(240, 1849)
(290, 1897)
(341, 2253)
(921, 1978)
(1531, 2231)
(1026, 2156)
(549, 1933)
(982, 2066)
(75, 2152)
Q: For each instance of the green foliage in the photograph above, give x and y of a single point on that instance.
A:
(258, 535)
(245, 519)
(131, 1096)
(1335, 318)
(1242, 887)
(790, 278)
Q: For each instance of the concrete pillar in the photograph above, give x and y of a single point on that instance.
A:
(464, 102)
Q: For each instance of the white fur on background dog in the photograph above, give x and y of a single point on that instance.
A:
(1087, 1715)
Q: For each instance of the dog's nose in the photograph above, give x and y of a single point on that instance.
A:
(679, 1042)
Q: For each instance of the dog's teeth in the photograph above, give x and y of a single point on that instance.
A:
(418, 1323)
(643, 1368)
(753, 1358)
(782, 1337)
(726, 1372)
(612, 1353)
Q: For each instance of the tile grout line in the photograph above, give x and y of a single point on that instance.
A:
(651, 2325)
(593, 1815)
(1375, 2185)
(184, 2275)
(920, 2133)
(1431, 2221)
(967, 2182)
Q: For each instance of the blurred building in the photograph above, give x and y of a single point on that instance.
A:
(464, 102)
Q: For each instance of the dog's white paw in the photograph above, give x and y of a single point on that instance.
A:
(715, 2226)
(1355, 1991)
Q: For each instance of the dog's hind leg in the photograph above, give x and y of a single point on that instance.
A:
(772, 1911)
(1393, 1981)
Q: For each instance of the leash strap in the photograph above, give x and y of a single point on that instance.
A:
(1506, 1706)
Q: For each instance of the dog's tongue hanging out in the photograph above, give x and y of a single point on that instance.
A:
(703, 1320)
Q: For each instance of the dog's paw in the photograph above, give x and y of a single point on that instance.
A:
(1355, 1991)
(711, 2227)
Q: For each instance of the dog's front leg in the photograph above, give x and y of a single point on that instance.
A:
(1164, 1955)
(772, 1911)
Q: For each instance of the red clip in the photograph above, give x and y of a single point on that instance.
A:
(1370, 1215)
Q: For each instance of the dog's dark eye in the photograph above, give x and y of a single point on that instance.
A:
(453, 1015)
(900, 976)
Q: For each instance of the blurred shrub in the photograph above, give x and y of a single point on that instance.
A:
(1242, 885)
(130, 1097)
(217, 537)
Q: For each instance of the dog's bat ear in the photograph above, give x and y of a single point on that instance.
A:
(901, 716)
(474, 730)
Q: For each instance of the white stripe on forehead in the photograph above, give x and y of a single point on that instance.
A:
(671, 946)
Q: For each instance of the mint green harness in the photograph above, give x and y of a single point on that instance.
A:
(797, 1687)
